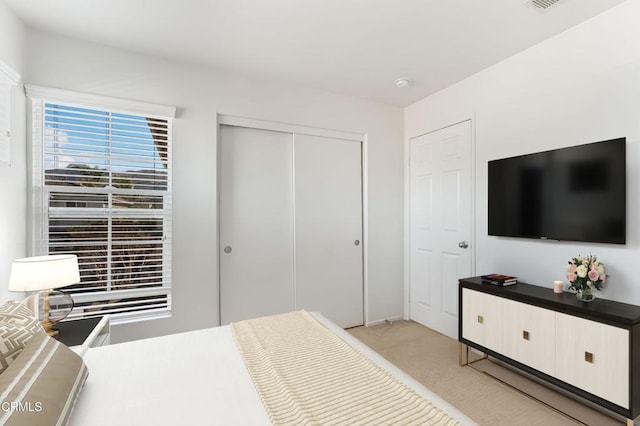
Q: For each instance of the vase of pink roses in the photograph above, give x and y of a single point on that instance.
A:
(586, 275)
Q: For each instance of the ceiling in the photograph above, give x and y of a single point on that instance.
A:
(353, 47)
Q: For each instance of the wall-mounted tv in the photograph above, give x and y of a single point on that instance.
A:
(568, 194)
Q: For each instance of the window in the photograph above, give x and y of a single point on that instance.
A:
(102, 190)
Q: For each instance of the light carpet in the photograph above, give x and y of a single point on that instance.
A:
(432, 359)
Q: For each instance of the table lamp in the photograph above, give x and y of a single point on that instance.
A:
(43, 274)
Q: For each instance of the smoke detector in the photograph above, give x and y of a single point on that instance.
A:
(401, 83)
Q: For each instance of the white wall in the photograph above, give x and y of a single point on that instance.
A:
(578, 87)
(13, 177)
(199, 94)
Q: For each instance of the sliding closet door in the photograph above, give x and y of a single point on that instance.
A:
(256, 223)
(328, 228)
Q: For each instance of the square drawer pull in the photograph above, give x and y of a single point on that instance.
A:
(480, 319)
(525, 334)
(588, 356)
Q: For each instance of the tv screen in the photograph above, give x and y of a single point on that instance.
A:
(572, 194)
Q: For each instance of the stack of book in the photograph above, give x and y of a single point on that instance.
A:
(499, 279)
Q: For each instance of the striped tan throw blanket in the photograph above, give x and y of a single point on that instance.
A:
(306, 375)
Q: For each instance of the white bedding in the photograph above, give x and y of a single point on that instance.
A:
(193, 378)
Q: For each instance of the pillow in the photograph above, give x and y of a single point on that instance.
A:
(42, 385)
(17, 326)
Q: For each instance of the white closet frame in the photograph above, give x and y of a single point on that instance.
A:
(230, 120)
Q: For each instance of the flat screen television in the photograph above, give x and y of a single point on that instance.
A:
(568, 194)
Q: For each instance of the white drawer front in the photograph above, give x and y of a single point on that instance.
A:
(482, 319)
(529, 335)
(593, 357)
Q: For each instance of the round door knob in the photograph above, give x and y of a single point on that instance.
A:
(463, 244)
(227, 249)
(356, 242)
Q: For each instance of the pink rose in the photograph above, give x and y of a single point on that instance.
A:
(571, 276)
(593, 266)
(572, 268)
(593, 275)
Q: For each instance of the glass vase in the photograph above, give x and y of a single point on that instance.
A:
(586, 294)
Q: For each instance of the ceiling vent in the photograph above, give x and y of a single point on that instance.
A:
(543, 4)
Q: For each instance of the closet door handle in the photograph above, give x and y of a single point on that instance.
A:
(228, 249)
(356, 242)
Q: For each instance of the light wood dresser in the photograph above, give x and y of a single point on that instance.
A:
(590, 349)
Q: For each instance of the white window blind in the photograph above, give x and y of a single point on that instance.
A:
(102, 191)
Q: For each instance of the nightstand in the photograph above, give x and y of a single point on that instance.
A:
(84, 333)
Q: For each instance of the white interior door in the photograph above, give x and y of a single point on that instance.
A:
(328, 228)
(440, 225)
(256, 223)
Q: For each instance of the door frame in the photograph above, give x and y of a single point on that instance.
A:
(231, 120)
(407, 201)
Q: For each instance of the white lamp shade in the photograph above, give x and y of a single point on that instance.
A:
(44, 272)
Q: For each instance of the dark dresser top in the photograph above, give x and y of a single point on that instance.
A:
(603, 310)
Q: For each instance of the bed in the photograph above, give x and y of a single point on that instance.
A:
(225, 376)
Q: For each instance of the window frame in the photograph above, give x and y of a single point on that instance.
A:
(39, 208)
